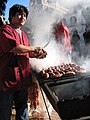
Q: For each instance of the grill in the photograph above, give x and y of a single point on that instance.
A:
(69, 96)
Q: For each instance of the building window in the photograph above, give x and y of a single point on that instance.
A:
(64, 21)
(39, 1)
(73, 21)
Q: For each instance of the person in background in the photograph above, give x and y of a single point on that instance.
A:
(62, 35)
(15, 70)
(86, 36)
(75, 42)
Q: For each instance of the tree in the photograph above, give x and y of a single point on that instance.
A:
(2, 6)
(2, 11)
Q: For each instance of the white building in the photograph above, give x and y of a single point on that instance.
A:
(73, 18)
(47, 4)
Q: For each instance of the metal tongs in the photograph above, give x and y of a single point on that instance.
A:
(47, 44)
(50, 37)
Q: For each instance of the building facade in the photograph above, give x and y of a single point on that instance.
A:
(75, 19)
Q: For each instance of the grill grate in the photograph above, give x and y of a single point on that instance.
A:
(69, 96)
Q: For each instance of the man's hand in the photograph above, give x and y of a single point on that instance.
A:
(40, 53)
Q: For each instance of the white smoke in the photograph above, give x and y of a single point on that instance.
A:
(54, 57)
(40, 22)
(72, 3)
(51, 1)
(40, 25)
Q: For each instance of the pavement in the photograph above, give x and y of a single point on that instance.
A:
(44, 116)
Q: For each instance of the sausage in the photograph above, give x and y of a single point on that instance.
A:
(46, 75)
(42, 72)
(69, 73)
(58, 75)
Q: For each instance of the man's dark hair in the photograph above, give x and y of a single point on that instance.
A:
(17, 8)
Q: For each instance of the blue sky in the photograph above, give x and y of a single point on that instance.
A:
(12, 2)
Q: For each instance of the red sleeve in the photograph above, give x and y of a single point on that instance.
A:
(6, 42)
(9, 38)
(32, 55)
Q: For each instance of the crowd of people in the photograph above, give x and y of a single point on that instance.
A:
(15, 54)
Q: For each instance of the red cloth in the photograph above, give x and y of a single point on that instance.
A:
(11, 67)
(33, 93)
(62, 35)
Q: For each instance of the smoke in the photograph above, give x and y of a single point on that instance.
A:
(73, 3)
(86, 64)
(54, 57)
(70, 3)
(41, 26)
(40, 22)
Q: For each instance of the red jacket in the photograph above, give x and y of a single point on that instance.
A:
(14, 70)
(62, 34)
